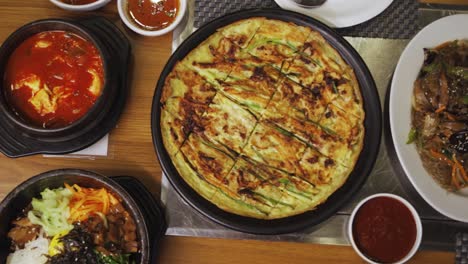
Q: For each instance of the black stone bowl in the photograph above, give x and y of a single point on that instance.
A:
(98, 110)
(22, 195)
(18, 137)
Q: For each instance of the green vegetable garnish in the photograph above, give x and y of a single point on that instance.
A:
(52, 211)
(447, 153)
(465, 99)
(460, 72)
(431, 67)
(284, 181)
(118, 259)
(335, 90)
(412, 135)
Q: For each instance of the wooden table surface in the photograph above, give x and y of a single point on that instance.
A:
(131, 153)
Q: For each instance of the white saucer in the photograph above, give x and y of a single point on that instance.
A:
(340, 13)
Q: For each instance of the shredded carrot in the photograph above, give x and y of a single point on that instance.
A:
(454, 178)
(458, 165)
(440, 156)
(86, 201)
(440, 109)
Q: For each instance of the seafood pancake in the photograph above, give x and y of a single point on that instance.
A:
(264, 118)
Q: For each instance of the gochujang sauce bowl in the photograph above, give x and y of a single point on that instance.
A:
(385, 228)
(21, 196)
(94, 114)
(131, 23)
(89, 6)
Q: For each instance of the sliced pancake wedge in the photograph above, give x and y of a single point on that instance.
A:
(292, 99)
(317, 168)
(251, 85)
(174, 131)
(350, 99)
(185, 98)
(345, 125)
(179, 117)
(276, 41)
(212, 164)
(324, 141)
(255, 189)
(274, 148)
(227, 123)
(241, 32)
(303, 204)
(248, 190)
(193, 178)
(210, 59)
(185, 83)
(322, 54)
(326, 174)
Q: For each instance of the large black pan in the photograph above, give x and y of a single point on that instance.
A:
(343, 195)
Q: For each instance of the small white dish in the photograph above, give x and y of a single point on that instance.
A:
(121, 6)
(416, 218)
(450, 204)
(81, 8)
(340, 13)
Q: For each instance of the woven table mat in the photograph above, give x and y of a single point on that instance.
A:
(398, 21)
(461, 256)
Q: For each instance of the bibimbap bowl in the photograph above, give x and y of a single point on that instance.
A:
(13, 204)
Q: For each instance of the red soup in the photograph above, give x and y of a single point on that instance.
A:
(53, 78)
(384, 229)
(153, 14)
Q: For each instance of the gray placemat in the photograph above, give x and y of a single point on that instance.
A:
(398, 21)
(461, 256)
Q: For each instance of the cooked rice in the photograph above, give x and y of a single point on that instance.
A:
(34, 252)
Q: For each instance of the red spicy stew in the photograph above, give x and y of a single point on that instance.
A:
(384, 230)
(153, 14)
(53, 78)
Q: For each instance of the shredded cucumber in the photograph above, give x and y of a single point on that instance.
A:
(52, 211)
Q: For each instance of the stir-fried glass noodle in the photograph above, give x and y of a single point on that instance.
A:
(440, 114)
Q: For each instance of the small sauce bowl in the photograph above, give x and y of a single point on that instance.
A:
(125, 16)
(385, 228)
(81, 8)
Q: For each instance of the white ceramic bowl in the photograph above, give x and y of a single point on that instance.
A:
(81, 8)
(450, 204)
(413, 211)
(150, 33)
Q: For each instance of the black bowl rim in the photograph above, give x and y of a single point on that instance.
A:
(108, 182)
(84, 33)
(363, 167)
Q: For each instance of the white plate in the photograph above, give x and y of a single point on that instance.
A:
(452, 205)
(340, 13)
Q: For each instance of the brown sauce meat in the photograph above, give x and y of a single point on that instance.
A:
(118, 235)
(23, 232)
(440, 114)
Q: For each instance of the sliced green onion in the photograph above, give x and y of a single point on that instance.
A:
(412, 135)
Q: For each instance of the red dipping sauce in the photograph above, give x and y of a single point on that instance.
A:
(53, 78)
(384, 229)
(153, 14)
